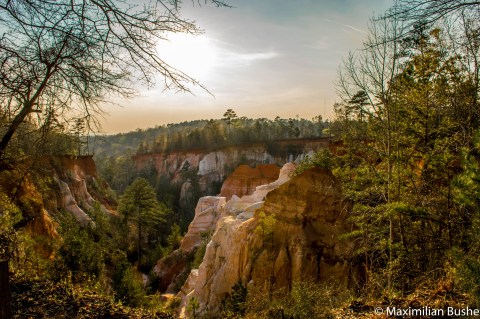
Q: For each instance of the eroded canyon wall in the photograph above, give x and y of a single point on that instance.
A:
(293, 236)
(213, 166)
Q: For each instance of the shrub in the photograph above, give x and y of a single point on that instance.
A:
(128, 288)
(305, 299)
(322, 159)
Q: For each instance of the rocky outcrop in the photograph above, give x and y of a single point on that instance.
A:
(209, 210)
(294, 236)
(262, 190)
(186, 195)
(245, 179)
(212, 167)
(169, 268)
(232, 213)
(207, 213)
(69, 203)
(73, 175)
(47, 186)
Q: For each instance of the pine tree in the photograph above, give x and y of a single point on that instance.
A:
(230, 117)
(139, 207)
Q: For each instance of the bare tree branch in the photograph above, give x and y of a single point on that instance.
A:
(82, 51)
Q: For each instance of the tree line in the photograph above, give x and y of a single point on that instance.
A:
(208, 134)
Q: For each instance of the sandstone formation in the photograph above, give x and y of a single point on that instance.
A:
(245, 179)
(262, 190)
(186, 196)
(169, 268)
(207, 213)
(72, 177)
(294, 236)
(70, 204)
(230, 215)
(209, 210)
(64, 186)
(212, 167)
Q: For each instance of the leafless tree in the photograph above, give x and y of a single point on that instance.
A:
(61, 56)
(420, 13)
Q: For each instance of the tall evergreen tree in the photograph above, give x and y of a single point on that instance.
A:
(140, 210)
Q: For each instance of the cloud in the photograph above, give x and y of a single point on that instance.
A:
(354, 28)
(321, 44)
(229, 54)
(348, 26)
(231, 58)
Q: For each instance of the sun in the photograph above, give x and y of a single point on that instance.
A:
(193, 55)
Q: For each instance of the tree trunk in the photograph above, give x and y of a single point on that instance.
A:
(27, 108)
(139, 239)
(4, 290)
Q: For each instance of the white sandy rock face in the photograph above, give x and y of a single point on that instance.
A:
(186, 293)
(70, 204)
(227, 255)
(223, 264)
(212, 162)
(212, 165)
(207, 214)
(308, 219)
(210, 209)
(75, 197)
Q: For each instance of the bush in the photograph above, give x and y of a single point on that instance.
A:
(322, 159)
(306, 299)
(128, 288)
(80, 252)
(234, 304)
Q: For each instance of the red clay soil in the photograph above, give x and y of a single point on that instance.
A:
(245, 179)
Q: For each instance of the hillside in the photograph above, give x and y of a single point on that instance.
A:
(181, 177)
(206, 135)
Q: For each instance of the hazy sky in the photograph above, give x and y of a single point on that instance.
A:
(262, 58)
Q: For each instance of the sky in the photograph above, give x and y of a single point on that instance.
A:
(262, 58)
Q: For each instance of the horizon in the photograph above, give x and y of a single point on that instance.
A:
(199, 119)
(261, 59)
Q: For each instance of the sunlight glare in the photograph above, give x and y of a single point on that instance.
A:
(193, 55)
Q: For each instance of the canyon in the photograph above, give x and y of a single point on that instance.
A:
(212, 167)
(265, 229)
(283, 232)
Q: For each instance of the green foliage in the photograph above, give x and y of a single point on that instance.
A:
(175, 237)
(321, 159)
(265, 227)
(230, 117)
(208, 134)
(201, 249)
(118, 172)
(234, 304)
(42, 298)
(192, 307)
(140, 196)
(142, 213)
(467, 273)
(151, 256)
(10, 215)
(408, 156)
(305, 299)
(81, 253)
(126, 285)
